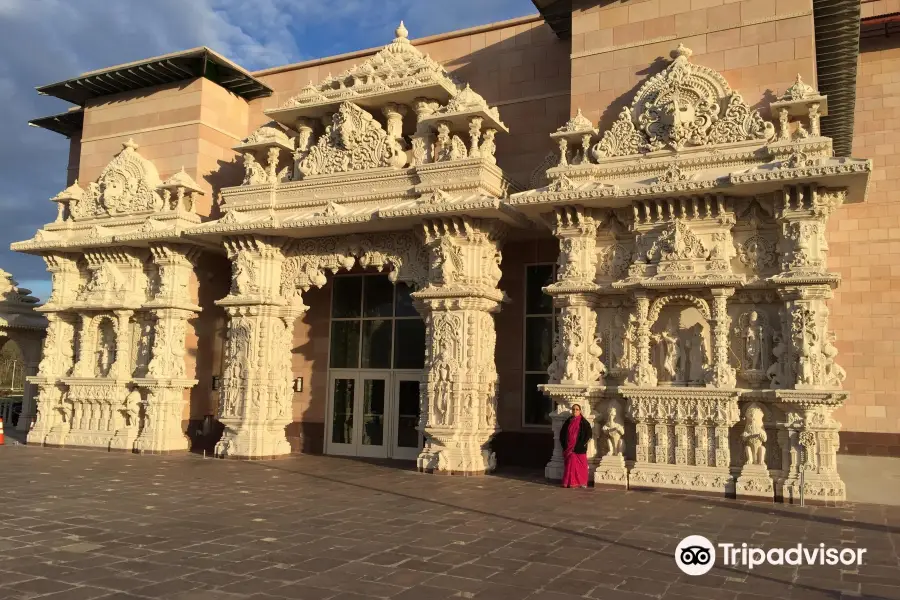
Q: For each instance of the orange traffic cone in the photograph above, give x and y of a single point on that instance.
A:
(2, 440)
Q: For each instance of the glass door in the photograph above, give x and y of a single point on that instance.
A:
(359, 402)
(406, 440)
(341, 433)
(374, 399)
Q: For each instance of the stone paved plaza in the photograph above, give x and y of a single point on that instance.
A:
(80, 524)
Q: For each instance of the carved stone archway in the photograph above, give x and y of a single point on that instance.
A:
(21, 323)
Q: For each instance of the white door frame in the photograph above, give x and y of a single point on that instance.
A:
(396, 451)
(389, 447)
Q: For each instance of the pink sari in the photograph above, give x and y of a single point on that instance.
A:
(575, 471)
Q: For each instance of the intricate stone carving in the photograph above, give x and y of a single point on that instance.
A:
(754, 436)
(126, 185)
(397, 66)
(354, 141)
(613, 432)
(685, 105)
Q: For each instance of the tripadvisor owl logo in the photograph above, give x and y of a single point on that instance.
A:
(695, 555)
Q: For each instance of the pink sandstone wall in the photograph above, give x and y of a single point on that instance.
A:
(758, 45)
(865, 250)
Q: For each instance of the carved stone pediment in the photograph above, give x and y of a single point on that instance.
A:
(396, 67)
(265, 136)
(128, 184)
(685, 105)
(354, 141)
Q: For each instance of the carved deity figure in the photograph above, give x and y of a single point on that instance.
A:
(835, 374)
(672, 352)
(106, 352)
(488, 146)
(754, 436)
(754, 337)
(442, 394)
(627, 356)
(442, 142)
(242, 275)
(613, 431)
(131, 409)
(254, 173)
(778, 350)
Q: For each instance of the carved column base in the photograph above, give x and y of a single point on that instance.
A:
(49, 418)
(28, 410)
(252, 440)
(95, 411)
(819, 489)
(451, 452)
(682, 438)
(161, 430)
(809, 441)
(611, 472)
(755, 482)
(554, 469)
(123, 439)
(710, 480)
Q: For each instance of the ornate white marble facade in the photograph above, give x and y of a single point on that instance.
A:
(691, 286)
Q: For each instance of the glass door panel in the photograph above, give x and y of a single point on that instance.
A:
(343, 403)
(373, 402)
(406, 439)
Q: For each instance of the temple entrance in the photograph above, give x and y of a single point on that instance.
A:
(377, 357)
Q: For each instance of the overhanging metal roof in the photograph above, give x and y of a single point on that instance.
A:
(558, 15)
(160, 70)
(837, 52)
(68, 123)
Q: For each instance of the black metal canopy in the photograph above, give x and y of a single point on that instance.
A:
(160, 70)
(68, 123)
(558, 15)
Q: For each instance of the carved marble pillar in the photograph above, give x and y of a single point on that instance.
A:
(722, 374)
(255, 404)
(643, 374)
(576, 371)
(165, 381)
(806, 367)
(31, 355)
(460, 398)
(52, 418)
(474, 136)
(394, 113)
(809, 441)
(815, 128)
(304, 142)
(423, 139)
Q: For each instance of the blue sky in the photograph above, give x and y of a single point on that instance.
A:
(44, 41)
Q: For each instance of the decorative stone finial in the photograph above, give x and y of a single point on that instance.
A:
(799, 90)
(130, 144)
(680, 51)
(401, 31)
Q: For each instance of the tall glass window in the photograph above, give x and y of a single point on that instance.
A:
(540, 326)
(374, 325)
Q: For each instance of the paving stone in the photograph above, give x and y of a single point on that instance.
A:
(328, 528)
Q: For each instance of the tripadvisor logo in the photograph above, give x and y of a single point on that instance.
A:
(696, 555)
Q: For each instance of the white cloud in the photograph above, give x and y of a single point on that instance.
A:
(43, 41)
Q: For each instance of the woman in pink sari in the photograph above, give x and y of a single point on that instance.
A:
(574, 438)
